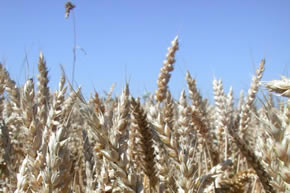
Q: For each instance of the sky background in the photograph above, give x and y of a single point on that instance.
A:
(127, 41)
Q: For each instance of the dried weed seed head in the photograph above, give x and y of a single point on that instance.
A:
(164, 75)
(68, 8)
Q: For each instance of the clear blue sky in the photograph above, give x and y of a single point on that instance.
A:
(128, 40)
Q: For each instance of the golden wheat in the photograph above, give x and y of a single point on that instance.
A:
(59, 142)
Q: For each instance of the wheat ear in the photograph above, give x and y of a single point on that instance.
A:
(245, 113)
(222, 119)
(30, 123)
(281, 87)
(57, 172)
(238, 182)
(164, 75)
(43, 91)
(23, 178)
(145, 149)
(2, 89)
(162, 119)
(186, 164)
(6, 151)
(254, 161)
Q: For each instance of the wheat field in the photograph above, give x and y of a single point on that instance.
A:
(58, 142)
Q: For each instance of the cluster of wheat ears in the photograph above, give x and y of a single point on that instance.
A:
(58, 142)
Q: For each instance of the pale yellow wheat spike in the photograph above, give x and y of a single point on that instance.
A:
(146, 161)
(57, 172)
(163, 122)
(238, 183)
(6, 153)
(281, 87)
(164, 75)
(23, 178)
(2, 88)
(29, 119)
(120, 121)
(27, 102)
(186, 164)
(221, 120)
(252, 92)
(43, 91)
(254, 161)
